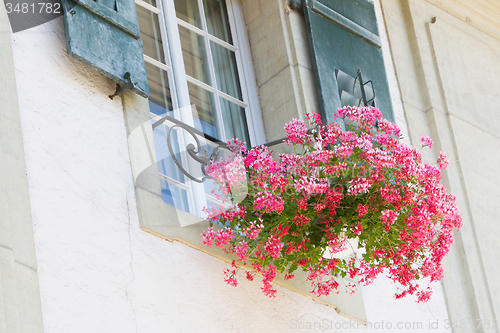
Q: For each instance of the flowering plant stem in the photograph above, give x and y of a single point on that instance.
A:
(353, 183)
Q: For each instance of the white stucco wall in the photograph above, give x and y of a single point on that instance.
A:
(98, 271)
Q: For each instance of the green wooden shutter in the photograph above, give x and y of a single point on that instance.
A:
(104, 34)
(344, 38)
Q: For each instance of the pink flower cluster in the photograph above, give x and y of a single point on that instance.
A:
(220, 238)
(273, 246)
(268, 202)
(388, 218)
(337, 244)
(318, 275)
(362, 210)
(296, 131)
(254, 230)
(359, 185)
(268, 281)
(426, 141)
(230, 172)
(350, 181)
(230, 275)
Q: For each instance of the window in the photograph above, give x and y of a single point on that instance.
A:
(195, 64)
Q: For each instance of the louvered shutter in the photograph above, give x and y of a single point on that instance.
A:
(344, 38)
(105, 35)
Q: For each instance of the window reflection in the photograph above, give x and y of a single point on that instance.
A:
(188, 11)
(160, 100)
(194, 55)
(204, 110)
(149, 25)
(235, 122)
(217, 19)
(226, 70)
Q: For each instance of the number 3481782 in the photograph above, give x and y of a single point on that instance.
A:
(33, 8)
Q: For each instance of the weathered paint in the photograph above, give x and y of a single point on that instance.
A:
(107, 40)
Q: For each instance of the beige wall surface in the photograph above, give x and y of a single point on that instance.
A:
(282, 63)
(447, 59)
(20, 307)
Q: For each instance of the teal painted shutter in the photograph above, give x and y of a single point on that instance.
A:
(105, 35)
(344, 38)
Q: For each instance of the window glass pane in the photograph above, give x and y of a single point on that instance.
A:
(160, 100)
(174, 195)
(204, 110)
(212, 188)
(188, 10)
(217, 19)
(212, 114)
(171, 193)
(166, 164)
(235, 123)
(226, 71)
(150, 34)
(195, 55)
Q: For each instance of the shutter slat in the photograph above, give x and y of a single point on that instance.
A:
(110, 16)
(345, 23)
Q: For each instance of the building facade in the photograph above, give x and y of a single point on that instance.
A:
(100, 232)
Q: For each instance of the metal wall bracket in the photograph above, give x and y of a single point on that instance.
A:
(353, 91)
(119, 89)
(195, 151)
(295, 4)
(362, 85)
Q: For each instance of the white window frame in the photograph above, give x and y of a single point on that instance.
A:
(178, 81)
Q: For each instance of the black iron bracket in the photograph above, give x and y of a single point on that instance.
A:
(119, 89)
(362, 93)
(362, 87)
(197, 152)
